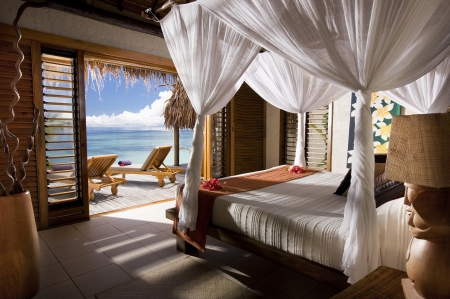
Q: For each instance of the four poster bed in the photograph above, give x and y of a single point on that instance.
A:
(315, 49)
(294, 220)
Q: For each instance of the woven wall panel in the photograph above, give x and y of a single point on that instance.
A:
(22, 124)
(248, 116)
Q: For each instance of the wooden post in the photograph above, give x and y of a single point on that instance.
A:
(176, 146)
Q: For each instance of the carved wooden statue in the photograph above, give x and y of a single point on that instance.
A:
(428, 255)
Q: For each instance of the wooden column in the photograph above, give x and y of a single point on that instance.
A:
(176, 146)
(41, 161)
(207, 149)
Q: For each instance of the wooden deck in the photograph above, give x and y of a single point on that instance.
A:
(138, 190)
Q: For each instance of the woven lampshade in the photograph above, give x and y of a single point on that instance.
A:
(419, 150)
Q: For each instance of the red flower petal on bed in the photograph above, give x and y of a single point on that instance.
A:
(211, 184)
(296, 169)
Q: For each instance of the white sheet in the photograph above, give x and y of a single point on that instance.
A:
(303, 217)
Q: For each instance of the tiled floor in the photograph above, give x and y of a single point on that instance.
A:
(86, 258)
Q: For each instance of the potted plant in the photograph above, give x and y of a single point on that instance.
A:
(19, 243)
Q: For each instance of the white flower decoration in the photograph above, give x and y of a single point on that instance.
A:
(384, 132)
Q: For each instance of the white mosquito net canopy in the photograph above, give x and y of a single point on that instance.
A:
(362, 46)
(428, 94)
(292, 89)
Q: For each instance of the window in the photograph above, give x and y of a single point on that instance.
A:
(316, 145)
(61, 128)
(219, 142)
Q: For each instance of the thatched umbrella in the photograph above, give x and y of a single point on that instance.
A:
(179, 114)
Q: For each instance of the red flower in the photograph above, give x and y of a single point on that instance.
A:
(296, 169)
(211, 184)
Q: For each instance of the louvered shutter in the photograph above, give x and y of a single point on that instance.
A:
(61, 126)
(317, 138)
(219, 143)
(22, 124)
(248, 138)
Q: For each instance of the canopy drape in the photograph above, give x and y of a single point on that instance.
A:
(428, 94)
(366, 46)
(210, 59)
(290, 88)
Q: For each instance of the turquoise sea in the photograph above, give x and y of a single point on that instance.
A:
(135, 145)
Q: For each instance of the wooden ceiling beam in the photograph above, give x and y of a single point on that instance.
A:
(87, 11)
(89, 2)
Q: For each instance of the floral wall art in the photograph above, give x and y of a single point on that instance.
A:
(382, 109)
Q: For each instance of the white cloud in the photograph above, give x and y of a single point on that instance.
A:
(149, 116)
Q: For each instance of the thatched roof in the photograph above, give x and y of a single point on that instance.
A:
(98, 72)
(178, 110)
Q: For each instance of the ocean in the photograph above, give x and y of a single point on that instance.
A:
(135, 145)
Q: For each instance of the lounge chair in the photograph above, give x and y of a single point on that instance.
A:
(153, 165)
(97, 174)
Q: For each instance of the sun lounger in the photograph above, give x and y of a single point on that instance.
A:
(154, 165)
(97, 174)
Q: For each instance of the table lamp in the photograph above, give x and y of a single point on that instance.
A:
(419, 156)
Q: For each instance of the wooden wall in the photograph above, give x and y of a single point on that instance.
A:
(31, 43)
(21, 126)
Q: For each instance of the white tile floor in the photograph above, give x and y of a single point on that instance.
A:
(80, 260)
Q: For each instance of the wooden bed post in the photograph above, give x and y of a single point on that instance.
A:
(184, 246)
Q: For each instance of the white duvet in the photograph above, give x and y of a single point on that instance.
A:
(303, 217)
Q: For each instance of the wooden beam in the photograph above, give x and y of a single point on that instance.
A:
(41, 161)
(176, 146)
(89, 2)
(82, 133)
(90, 12)
(134, 58)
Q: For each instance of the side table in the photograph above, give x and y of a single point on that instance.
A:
(384, 283)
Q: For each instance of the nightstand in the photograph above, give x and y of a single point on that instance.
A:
(384, 283)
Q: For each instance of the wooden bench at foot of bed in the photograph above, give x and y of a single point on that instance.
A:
(324, 274)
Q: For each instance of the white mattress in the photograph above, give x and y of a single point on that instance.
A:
(303, 217)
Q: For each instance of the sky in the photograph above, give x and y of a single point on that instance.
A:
(129, 109)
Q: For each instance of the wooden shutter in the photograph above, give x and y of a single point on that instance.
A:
(317, 138)
(317, 145)
(61, 125)
(219, 143)
(290, 137)
(248, 136)
(22, 124)
(216, 145)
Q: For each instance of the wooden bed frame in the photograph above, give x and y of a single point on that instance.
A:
(327, 275)
(319, 272)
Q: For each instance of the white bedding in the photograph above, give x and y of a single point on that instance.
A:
(303, 217)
